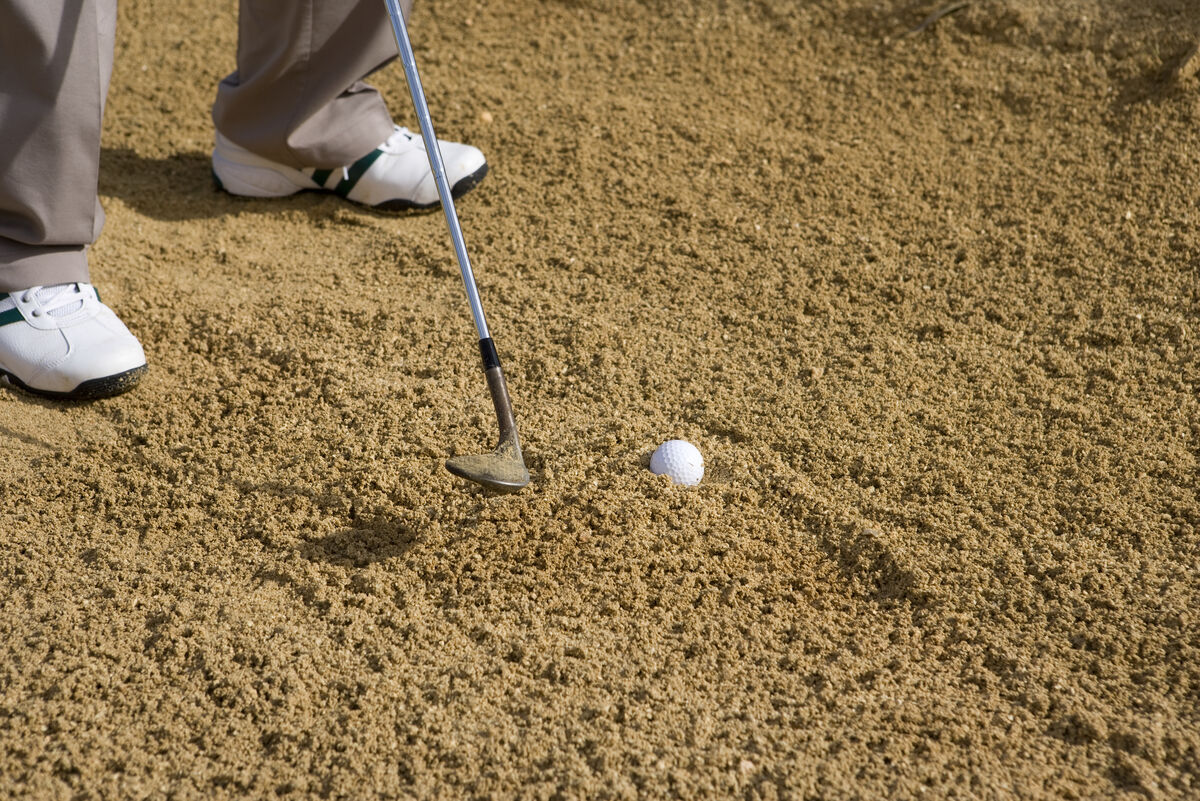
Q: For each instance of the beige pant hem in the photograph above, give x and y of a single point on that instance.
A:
(23, 266)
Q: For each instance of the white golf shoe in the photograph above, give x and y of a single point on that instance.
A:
(62, 342)
(392, 177)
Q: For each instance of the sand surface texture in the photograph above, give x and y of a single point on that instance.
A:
(928, 303)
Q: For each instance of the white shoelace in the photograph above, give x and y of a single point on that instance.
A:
(58, 300)
(398, 141)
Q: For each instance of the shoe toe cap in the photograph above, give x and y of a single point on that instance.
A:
(97, 351)
(462, 161)
(406, 181)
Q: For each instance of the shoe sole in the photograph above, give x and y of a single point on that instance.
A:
(462, 187)
(94, 389)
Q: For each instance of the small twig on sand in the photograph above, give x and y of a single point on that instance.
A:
(936, 15)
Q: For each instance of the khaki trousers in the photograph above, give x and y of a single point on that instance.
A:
(297, 97)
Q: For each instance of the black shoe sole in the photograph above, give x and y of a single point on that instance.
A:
(462, 187)
(97, 388)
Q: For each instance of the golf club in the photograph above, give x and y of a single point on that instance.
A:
(504, 468)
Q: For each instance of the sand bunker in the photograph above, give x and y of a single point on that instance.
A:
(928, 304)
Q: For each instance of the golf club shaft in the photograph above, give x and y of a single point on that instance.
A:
(436, 164)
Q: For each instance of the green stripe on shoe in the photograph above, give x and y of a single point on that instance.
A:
(10, 316)
(321, 176)
(356, 171)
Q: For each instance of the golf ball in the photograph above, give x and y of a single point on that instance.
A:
(680, 460)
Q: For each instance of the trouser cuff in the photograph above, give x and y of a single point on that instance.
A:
(23, 266)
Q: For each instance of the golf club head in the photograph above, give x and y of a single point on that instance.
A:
(502, 470)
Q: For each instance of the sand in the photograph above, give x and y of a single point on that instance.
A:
(928, 302)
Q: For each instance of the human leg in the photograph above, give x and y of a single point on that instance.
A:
(55, 62)
(297, 97)
(56, 337)
(296, 115)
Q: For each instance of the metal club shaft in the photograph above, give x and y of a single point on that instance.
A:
(504, 468)
(435, 163)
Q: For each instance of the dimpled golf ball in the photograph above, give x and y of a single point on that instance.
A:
(680, 460)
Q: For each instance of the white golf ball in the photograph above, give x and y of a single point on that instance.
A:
(680, 460)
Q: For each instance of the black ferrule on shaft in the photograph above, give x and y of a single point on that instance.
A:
(487, 349)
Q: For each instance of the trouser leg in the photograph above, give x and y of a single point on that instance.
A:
(297, 96)
(55, 64)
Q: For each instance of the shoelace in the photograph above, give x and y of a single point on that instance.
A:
(57, 301)
(400, 138)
